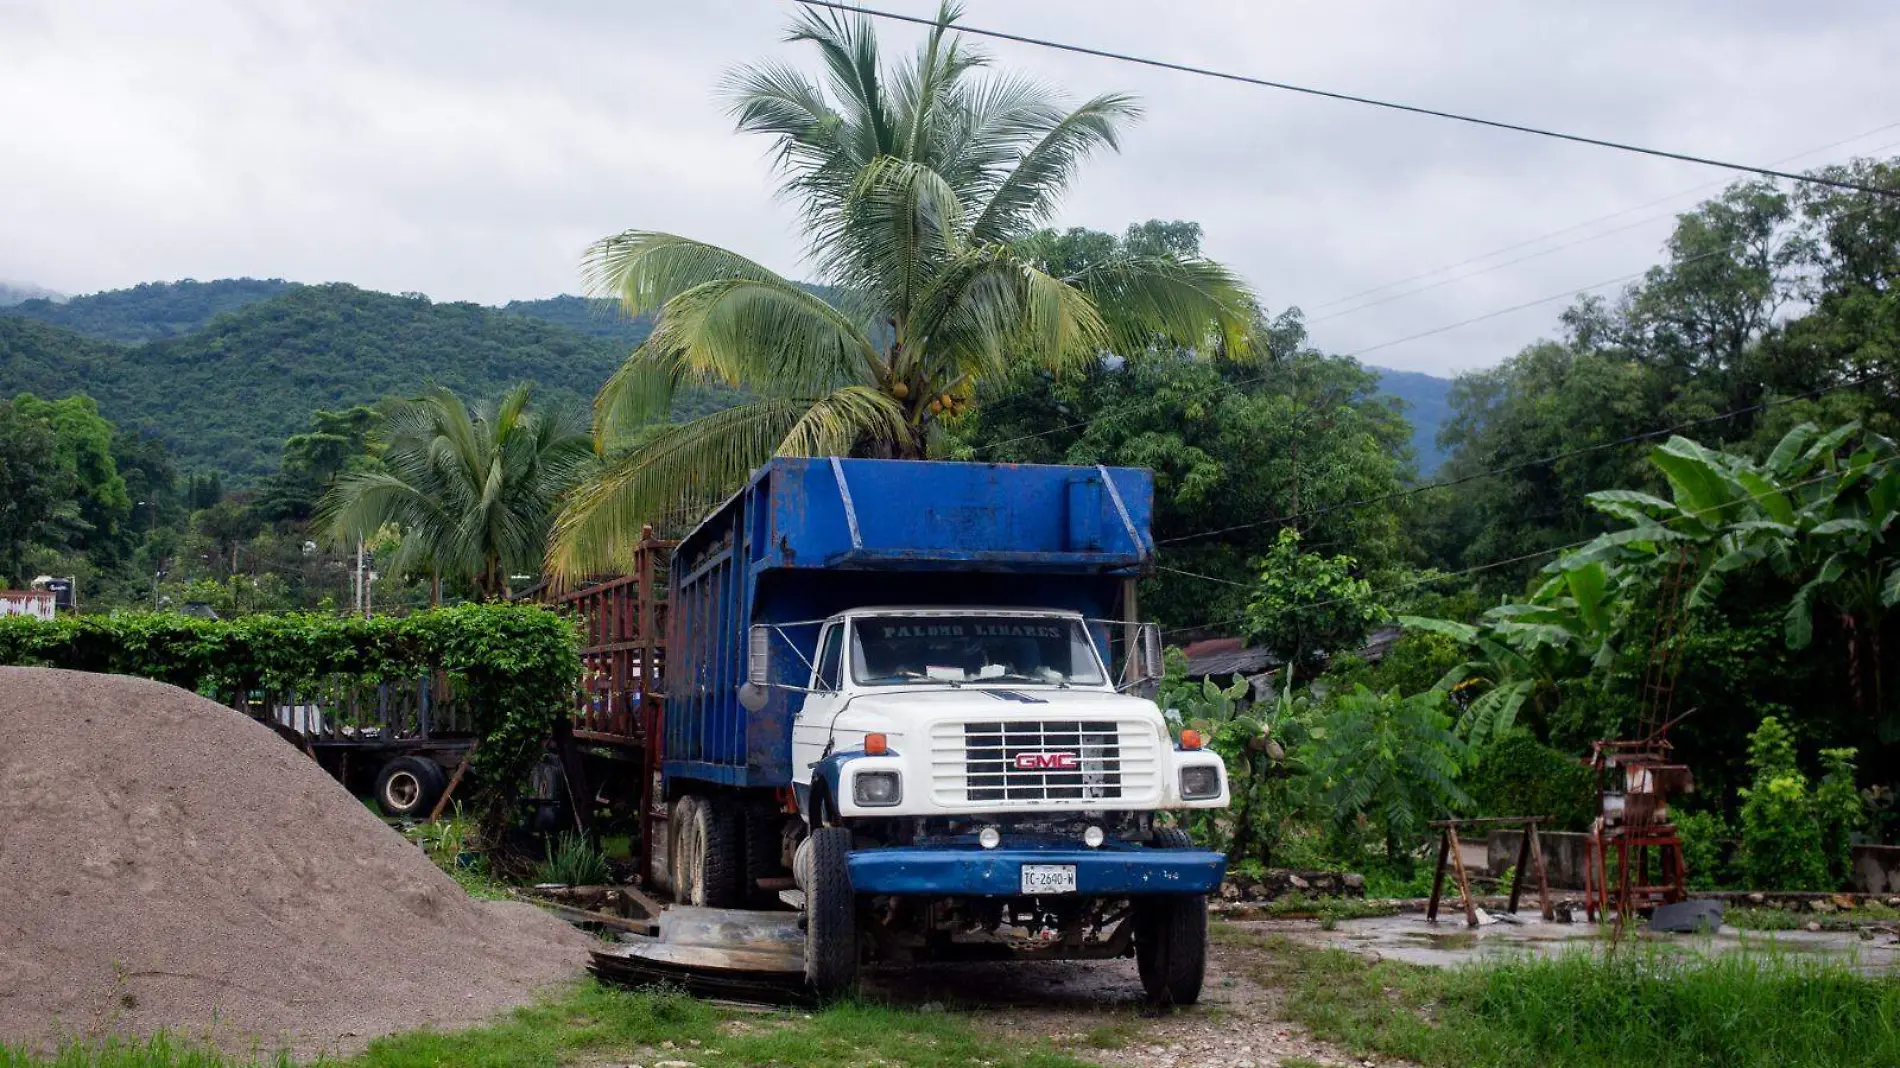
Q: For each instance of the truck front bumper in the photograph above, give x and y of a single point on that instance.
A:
(977, 872)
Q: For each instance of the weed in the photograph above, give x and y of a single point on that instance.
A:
(572, 861)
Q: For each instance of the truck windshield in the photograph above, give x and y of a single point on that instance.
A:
(893, 650)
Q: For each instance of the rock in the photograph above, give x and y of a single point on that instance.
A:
(674, 1064)
(1757, 898)
(1812, 926)
(1893, 902)
(1298, 883)
(1845, 901)
(1355, 881)
(1257, 892)
(1229, 891)
(1820, 905)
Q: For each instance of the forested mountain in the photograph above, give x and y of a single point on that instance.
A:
(151, 310)
(222, 371)
(1427, 405)
(223, 398)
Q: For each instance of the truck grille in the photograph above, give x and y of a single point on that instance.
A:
(1029, 762)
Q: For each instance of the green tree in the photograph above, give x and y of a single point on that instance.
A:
(1781, 832)
(96, 524)
(32, 484)
(1306, 606)
(916, 181)
(337, 441)
(1389, 764)
(472, 492)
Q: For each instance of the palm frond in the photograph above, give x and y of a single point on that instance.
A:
(1023, 199)
(1184, 302)
(678, 471)
(644, 269)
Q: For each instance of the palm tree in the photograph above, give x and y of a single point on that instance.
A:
(473, 493)
(916, 182)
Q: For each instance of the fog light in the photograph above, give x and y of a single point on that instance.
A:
(989, 838)
(1093, 837)
(876, 789)
(1200, 782)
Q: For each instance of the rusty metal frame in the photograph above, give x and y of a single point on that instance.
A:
(1529, 851)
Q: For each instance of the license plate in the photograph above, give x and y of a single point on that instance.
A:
(1048, 878)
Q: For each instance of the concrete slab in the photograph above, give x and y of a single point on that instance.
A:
(1449, 943)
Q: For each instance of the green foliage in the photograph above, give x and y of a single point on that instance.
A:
(471, 493)
(511, 667)
(573, 861)
(1840, 810)
(1385, 765)
(33, 485)
(1305, 606)
(1232, 443)
(1781, 829)
(1708, 849)
(93, 522)
(1643, 1006)
(1516, 775)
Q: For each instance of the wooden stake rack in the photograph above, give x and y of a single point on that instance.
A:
(1530, 852)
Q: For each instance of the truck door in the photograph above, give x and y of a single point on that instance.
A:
(813, 727)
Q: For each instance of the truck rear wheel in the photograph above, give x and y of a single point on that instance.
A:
(831, 915)
(408, 787)
(711, 866)
(1171, 947)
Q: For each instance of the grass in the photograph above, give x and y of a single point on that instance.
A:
(1327, 910)
(1764, 919)
(594, 1024)
(573, 860)
(1584, 1010)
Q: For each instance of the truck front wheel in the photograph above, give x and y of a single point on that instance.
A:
(1171, 947)
(831, 915)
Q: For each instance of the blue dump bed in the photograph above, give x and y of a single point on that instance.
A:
(807, 538)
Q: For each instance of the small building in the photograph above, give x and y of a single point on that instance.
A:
(1227, 659)
(40, 604)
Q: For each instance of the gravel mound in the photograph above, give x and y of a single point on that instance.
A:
(167, 863)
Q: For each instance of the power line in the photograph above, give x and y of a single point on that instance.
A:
(1422, 275)
(1518, 559)
(1354, 99)
(1630, 439)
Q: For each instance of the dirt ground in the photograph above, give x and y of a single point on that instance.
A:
(1093, 1009)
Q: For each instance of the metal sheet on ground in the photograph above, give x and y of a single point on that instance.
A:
(719, 952)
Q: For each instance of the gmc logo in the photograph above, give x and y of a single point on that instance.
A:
(1047, 762)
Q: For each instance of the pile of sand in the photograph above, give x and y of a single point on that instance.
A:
(167, 863)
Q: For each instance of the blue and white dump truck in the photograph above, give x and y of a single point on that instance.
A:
(897, 696)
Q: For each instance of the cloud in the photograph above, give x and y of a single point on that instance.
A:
(471, 150)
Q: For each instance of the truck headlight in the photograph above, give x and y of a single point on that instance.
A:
(877, 789)
(1200, 782)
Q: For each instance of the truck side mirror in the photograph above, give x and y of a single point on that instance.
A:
(758, 668)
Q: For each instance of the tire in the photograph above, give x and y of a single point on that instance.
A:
(682, 830)
(831, 914)
(1172, 838)
(409, 787)
(1171, 948)
(721, 866)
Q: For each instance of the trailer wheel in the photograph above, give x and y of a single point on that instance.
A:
(831, 915)
(1173, 838)
(1171, 947)
(408, 787)
(720, 864)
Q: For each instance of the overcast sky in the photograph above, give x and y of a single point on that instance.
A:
(471, 150)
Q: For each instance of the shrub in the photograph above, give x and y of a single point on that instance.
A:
(1708, 849)
(1519, 776)
(1782, 846)
(573, 861)
(513, 667)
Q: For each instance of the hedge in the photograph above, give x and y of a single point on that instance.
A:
(512, 667)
